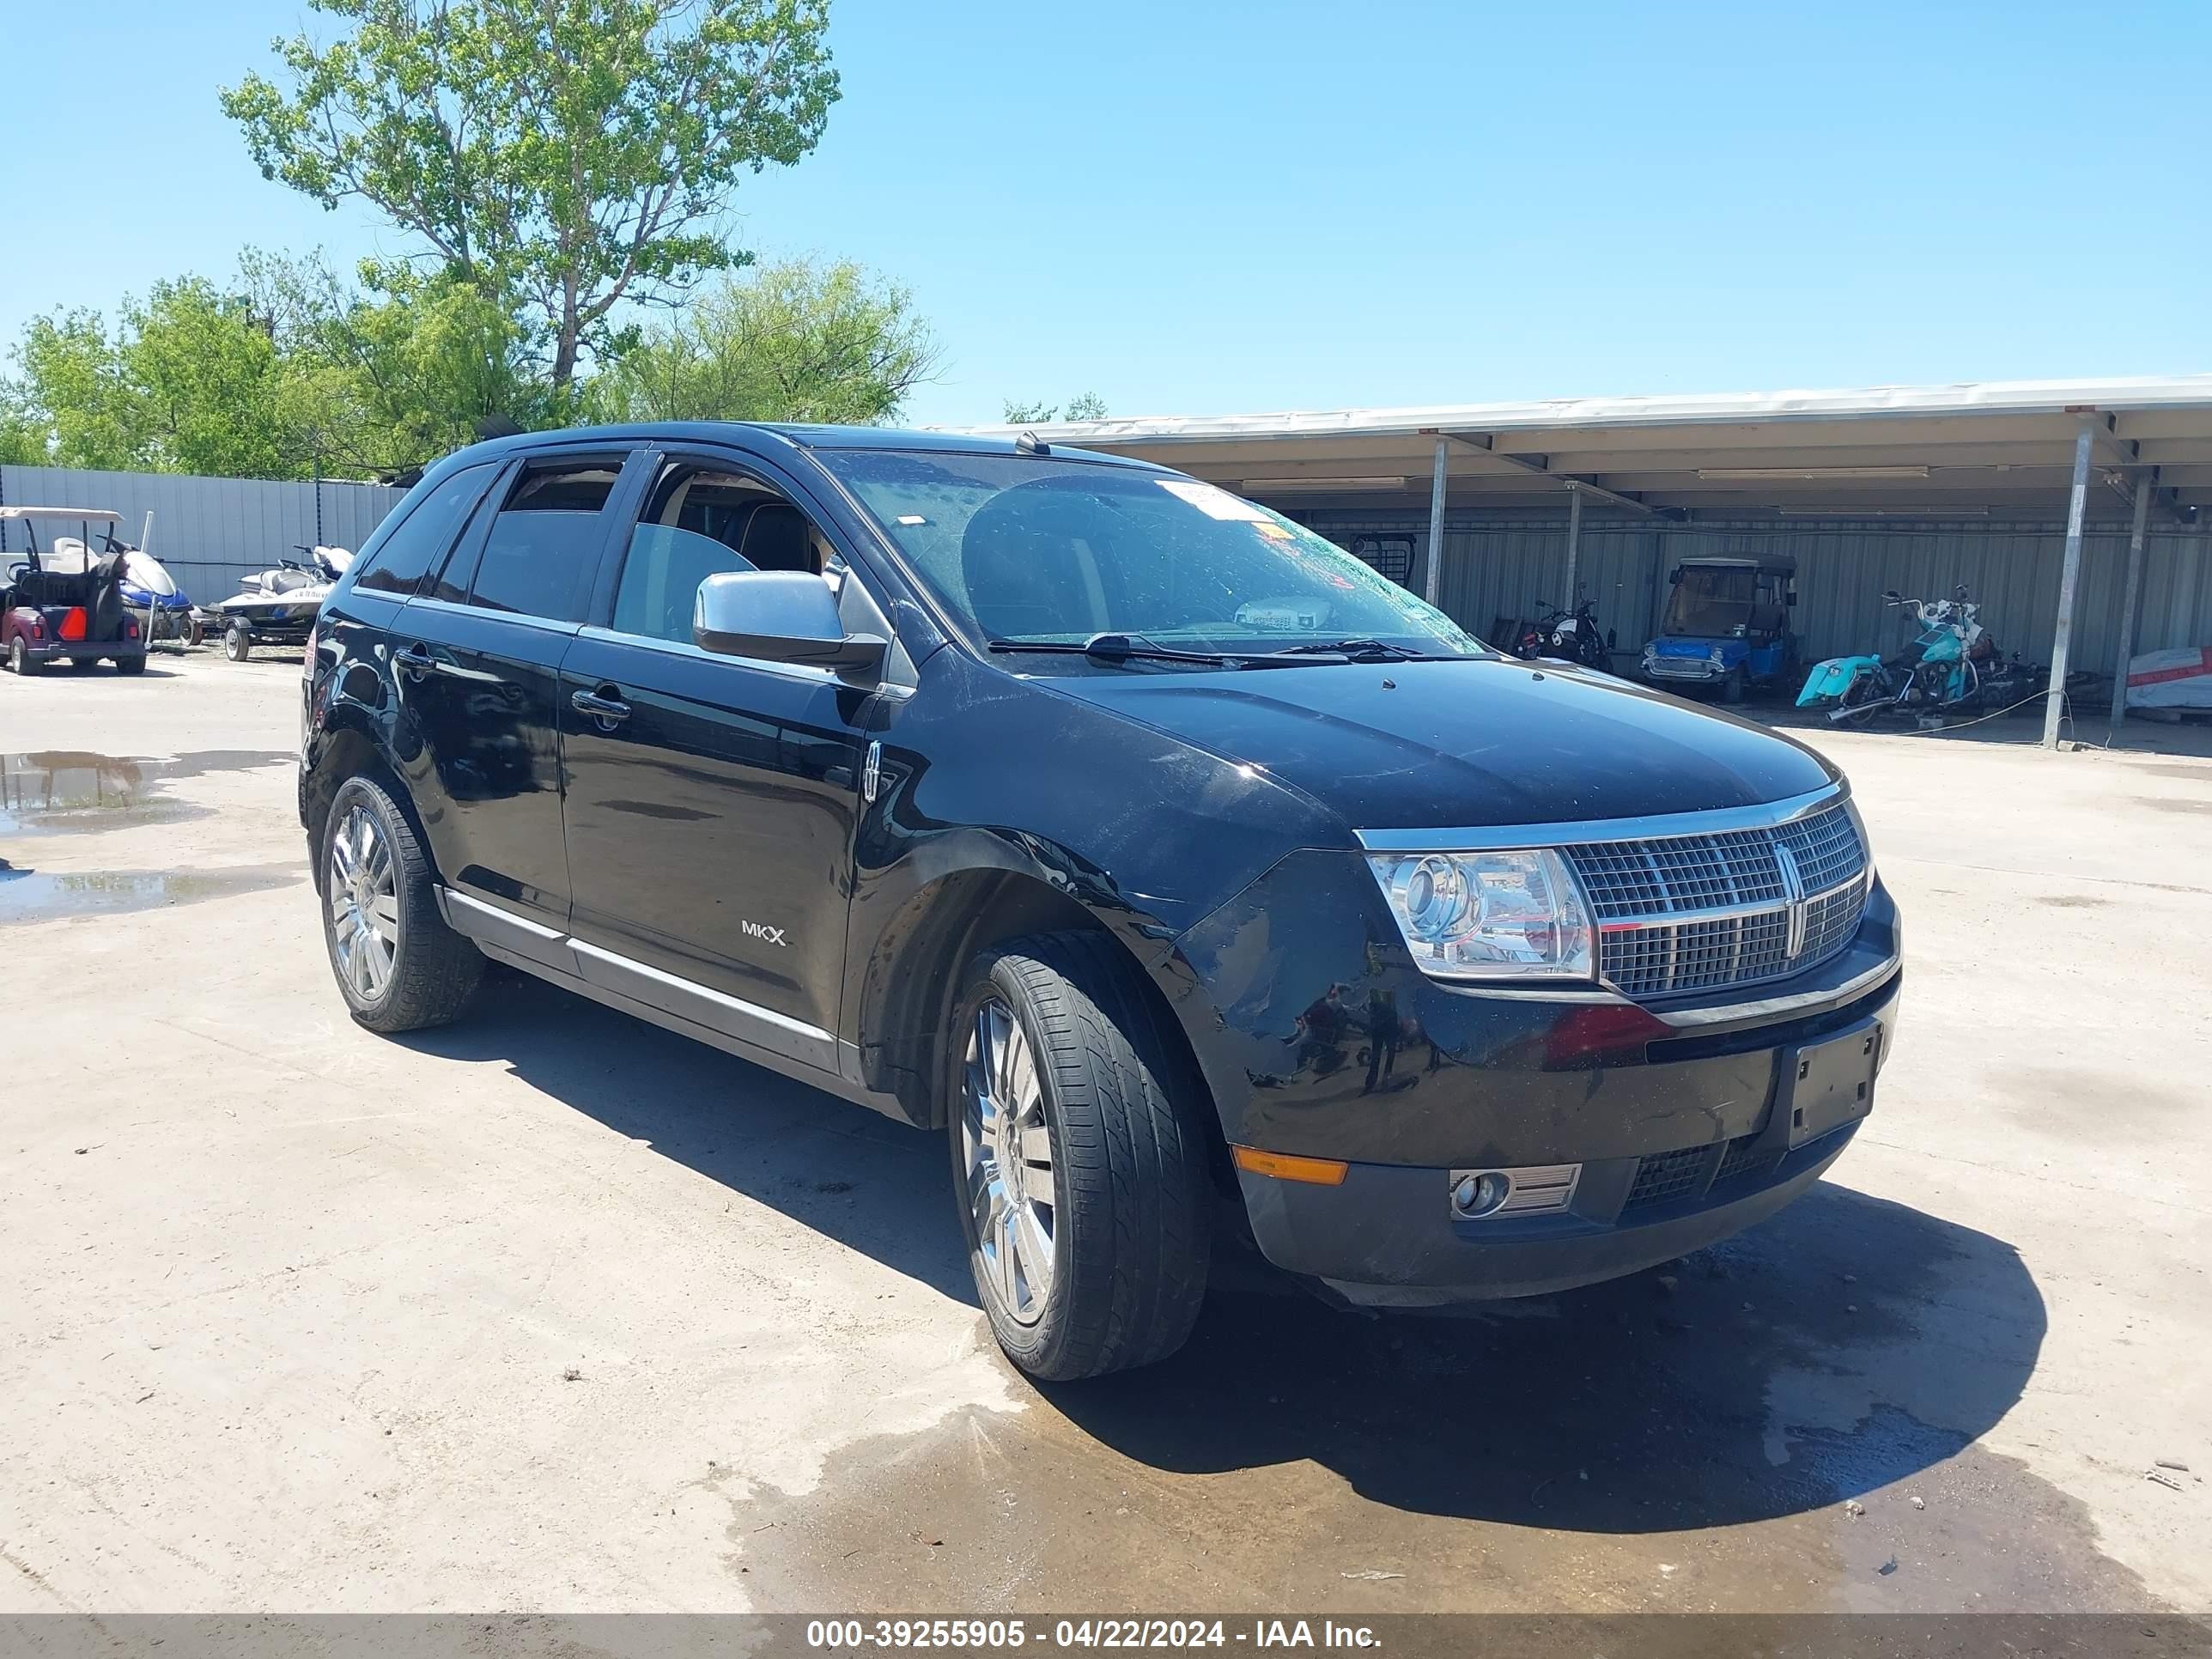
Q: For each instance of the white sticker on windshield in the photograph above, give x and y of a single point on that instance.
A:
(1213, 500)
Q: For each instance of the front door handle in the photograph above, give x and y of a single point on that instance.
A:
(609, 711)
(413, 660)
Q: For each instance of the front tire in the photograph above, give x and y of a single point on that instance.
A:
(399, 967)
(237, 642)
(1078, 1159)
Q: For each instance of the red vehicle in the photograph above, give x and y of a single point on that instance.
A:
(64, 601)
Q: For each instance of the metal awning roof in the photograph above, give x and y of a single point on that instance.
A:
(81, 515)
(2003, 447)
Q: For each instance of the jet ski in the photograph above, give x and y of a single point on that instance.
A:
(278, 605)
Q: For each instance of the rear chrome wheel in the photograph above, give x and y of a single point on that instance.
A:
(1013, 1198)
(398, 965)
(364, 901)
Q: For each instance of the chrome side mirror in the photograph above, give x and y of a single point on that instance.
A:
(780, 616)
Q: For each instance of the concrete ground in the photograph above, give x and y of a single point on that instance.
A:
(554, 1310)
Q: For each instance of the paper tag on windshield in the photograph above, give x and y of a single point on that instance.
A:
(1213, 500)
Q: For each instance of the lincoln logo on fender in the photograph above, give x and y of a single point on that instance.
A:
(761, 930)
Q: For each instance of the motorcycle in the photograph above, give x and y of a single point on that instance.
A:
(1949, 664)
(1566, 636)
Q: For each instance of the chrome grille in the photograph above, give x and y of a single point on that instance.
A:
(1686, 913)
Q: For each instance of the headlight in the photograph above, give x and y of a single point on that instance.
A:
(1489, 915)
(1717, 654)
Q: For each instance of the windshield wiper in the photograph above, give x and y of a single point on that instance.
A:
(1358, 650)
(1115, 647)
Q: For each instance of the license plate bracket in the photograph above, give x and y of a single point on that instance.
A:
(1832, 1083)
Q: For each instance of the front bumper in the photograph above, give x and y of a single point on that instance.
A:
(46, 651)
(1697, 670)
(1682, 1118)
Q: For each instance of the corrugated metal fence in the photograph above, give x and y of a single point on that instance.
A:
(208, 532)
(1503, 567)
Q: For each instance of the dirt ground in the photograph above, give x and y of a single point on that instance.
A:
(555, 1310)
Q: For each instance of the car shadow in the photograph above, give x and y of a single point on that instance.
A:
(1845, 1344)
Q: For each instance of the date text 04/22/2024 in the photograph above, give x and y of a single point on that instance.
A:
(987, 1634)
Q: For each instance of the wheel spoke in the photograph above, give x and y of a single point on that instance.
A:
(1002, 1262)
(342, 859)
(1036, 1145)
(1036, 1245)
(384, 916)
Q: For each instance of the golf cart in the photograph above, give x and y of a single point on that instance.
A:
(1727, 624)
(278, 606)
(64, 601)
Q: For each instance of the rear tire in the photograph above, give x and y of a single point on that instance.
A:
(237, 643)
(399, 966)
(1097, 1113)
(19, 660)
(130, 665)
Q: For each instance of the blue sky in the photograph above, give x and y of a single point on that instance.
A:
(1204, 207)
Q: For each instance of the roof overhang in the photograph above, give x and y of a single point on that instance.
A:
(1975, 448)
(78, 514)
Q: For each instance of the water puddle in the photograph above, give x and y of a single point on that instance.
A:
(56, 791)
(32, 896)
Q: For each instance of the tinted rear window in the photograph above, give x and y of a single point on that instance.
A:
(419, 541)
(546, 539)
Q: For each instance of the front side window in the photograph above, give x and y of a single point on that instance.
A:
(547, 536)
(419, 540)
(1045, 550)
(698, 523)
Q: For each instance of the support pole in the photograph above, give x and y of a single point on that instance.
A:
(2070, 578)
(1574, 538)
(2146, 487)
(1432, 575)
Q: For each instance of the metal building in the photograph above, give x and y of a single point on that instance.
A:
(208, 532)
(2071, 510)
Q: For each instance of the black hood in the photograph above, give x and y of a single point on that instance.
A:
(1440, 745)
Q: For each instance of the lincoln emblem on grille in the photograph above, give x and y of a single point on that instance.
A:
(1793, 894)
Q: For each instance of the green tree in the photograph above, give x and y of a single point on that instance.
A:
(793, 341)
(563, 155)
(204, 386)
(1089, 406)
(22, 434)
(386, 384)
(72, 388)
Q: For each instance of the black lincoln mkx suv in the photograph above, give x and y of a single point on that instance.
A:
(1171, 862)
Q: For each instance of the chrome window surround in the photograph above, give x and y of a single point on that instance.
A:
(1654, 949)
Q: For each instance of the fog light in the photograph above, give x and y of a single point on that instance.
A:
(1483, 1194)
(1539, 1189)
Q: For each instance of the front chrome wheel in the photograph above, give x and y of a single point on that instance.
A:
(1007, 1155)
(364, 904)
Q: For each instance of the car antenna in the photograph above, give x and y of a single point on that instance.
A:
(1030, 444)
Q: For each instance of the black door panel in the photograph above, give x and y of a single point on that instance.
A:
(477, 689)
(710, 823)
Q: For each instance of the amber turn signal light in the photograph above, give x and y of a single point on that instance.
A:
(1286, 1166)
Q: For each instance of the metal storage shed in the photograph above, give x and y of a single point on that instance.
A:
(1988, 471)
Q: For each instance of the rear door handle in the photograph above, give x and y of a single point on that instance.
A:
(609, 711)
(413, 660)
